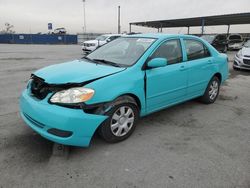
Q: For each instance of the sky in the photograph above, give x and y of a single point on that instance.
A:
(32, 16)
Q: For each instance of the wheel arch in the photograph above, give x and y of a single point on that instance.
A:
(218, 75)
(136, 98)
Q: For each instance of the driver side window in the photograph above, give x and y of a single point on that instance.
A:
(170, 50)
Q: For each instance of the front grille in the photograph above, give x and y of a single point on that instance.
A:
(34, 122)
(39, 88)
(246, 61)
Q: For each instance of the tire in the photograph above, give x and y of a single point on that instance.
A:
(212, 91)
(120, 125)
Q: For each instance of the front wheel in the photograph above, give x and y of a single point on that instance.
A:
(212, 91)
(121, 122)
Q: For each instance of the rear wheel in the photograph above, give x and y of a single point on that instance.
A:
(212, 91)
(121, 122)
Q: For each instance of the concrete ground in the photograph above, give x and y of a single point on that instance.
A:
(190, 145)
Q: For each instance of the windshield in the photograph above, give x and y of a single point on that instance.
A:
(247, 44)
(208, 38)
(102, 37)
(122, 51)
(235, 37)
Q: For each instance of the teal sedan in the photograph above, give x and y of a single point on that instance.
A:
(108, 90)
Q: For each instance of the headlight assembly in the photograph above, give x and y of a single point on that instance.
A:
(239, 54)
(72, 95)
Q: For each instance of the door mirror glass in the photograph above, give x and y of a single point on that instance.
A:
(157, 62)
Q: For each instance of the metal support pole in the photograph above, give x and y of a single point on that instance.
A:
(84, 17)
(161, 29)
(158, 30)
(119, 19)
(202, 25)
(130, 27)
(188, 30)
(228, 30)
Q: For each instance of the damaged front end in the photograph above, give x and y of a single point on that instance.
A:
(68, 124)
(40, 90)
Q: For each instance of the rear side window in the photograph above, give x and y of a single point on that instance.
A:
(170, 50)
(195, 49)
(222, 37)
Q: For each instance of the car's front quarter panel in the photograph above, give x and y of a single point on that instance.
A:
(129, 81)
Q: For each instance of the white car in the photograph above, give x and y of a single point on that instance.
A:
(242, 58)
(60, 30)
(91, 45)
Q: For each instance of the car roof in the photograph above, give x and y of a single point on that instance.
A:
(161, 35)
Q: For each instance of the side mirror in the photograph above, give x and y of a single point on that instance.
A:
(108, 40)
(157, 62)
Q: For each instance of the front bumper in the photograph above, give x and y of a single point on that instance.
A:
(43, 117)
(239, 63)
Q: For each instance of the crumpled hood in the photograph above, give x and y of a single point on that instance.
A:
(76, 71)
(246, 51)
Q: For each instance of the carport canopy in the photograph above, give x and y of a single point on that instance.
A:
(226, 19)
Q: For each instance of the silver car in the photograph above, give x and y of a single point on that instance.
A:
(242, 58)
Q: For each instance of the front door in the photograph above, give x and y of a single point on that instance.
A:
(166, 85)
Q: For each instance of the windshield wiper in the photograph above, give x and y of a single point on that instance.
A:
(90, 60)
(107, 62)
(87, 58)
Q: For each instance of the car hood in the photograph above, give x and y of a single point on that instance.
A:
(245, 51)
(76, 71)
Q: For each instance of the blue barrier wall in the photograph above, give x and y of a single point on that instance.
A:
(37, 39)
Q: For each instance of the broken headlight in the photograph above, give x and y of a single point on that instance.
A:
(72, 95)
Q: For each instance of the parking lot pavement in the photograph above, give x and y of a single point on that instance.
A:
(189, 145)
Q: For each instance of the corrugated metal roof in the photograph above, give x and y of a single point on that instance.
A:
(226, 19)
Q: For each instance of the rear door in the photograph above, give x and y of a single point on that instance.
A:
(200, 64)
